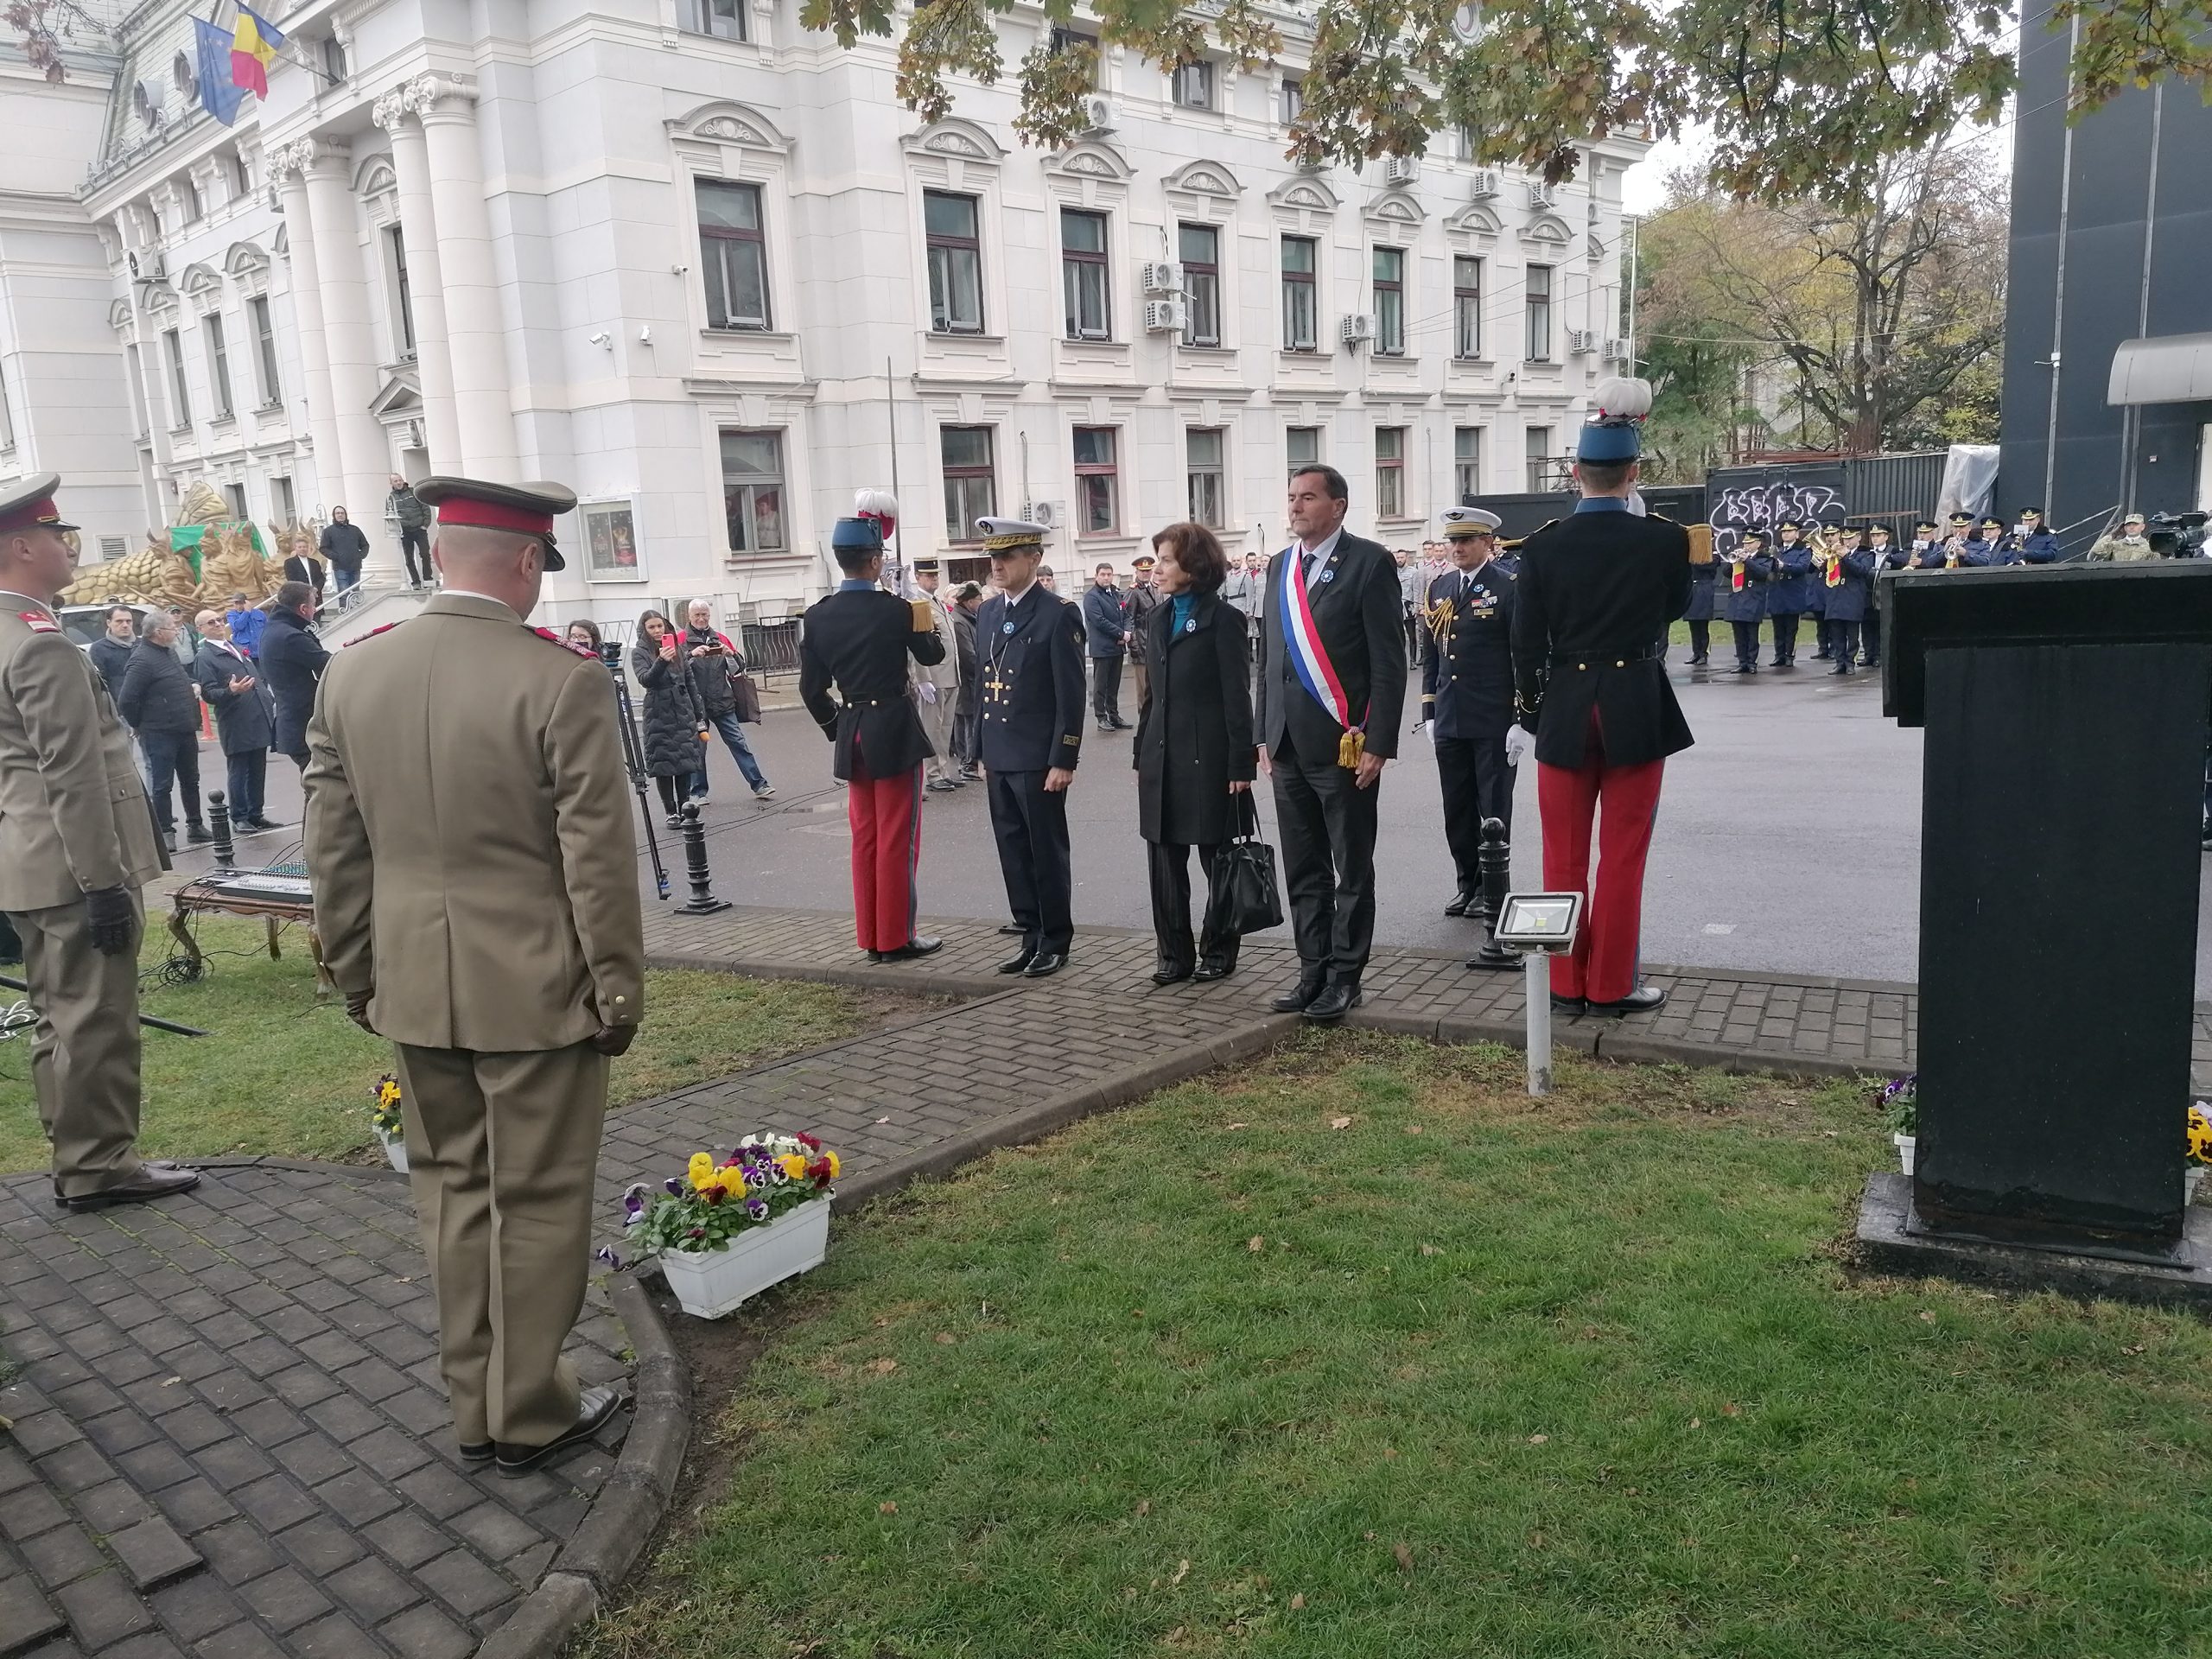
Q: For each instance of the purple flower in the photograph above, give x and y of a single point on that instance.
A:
(757, 1208)
(603, 1254)
(674, 1185)
(633, 1205)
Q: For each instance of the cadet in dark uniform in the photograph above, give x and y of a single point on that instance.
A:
(1888, 556)
(1029, 645)
(1466, 693)
(1743, 582)
(1847, 580)
(1791, 593)
(860, 639)
(1595, 590)
(1704, 573)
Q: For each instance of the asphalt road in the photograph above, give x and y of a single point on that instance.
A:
(1788, 838)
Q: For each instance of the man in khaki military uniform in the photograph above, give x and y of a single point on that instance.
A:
(76, 844)
(476, 887)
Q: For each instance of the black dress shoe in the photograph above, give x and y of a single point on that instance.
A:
(150, 1182)
(1335, 1001)
(1172, 976)
(1568, 1004)
(917, 946)
(478, 1450)
(594, 1408)
(1210, 972)
(1297, 999)
(1643, 999)
(1044, 965)
(1018, 964)
(1459, 903)
(1841, 668)
(1014, 929)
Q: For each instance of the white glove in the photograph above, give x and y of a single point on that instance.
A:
(1518, 742)
(929, 692)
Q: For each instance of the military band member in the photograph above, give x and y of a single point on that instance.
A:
(1926, 550)
(1746, 573)
(1029, 643)
(1596, 590)
(1962, 549)
(863, 639)
(1466, 693)
(2037, 544)
(476, 885)
(1789, 591)
(1705, 572)
(77, 843)
(1847, 577)
(1996, 542)
(1888, 559)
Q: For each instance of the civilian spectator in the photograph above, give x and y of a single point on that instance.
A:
(583, 632)
(292, 661)
(246, 719)
(243, 625)
(160, 703)
(304, 565)
(343, 548)
(110, 652)
(676, 733)
(967, 713)
(712, 660)
(1106, 628)
(413, 518)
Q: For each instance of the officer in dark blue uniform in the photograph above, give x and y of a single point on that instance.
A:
(1888, 558)
(1845, 580)
(1705, 574)
(1466, 693)
(1791, 593)
(2038, 545)
(1743, 582)
(1029, 648)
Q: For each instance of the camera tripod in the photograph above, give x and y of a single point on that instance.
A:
(633, 759)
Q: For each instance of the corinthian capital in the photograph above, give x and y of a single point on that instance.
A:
(390, 109)
(425, 93)
(295, 158)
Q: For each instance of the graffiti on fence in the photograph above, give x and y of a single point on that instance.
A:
(1761, 506)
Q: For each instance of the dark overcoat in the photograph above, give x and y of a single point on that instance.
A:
(244, 721)
(292, 661)
(1194, 726)
(1702, 588)
(1748, 603)
(672, 718)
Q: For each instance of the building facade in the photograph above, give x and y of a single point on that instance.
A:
(699, 264)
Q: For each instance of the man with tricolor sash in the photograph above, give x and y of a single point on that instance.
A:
(1332, 686)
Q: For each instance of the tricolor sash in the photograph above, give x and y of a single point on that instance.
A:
(1302, 639)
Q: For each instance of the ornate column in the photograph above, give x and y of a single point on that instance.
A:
(410, 161)
(351, 348)
(286, 163)
(475, 329)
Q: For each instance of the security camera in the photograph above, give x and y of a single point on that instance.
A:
(602, 338)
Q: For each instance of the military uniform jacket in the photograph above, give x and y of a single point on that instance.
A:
(1467, 681)
(74, 817)
(1359, 611)
(1031, 657)
(1847, 597)
(1704, 584)
(1791, 593)
(468, 835)
(860, 640)
(1596, 590)
(1144, 600)
(1748, 603)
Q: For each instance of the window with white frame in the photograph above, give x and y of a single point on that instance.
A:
(1466, 306)
(1537, 347)
(1098, 488)
(1390, 302)
(180, 393)
(733, 254)
(264, 350)
(1074, 40)
(1202, 451)
(753, 491)
(282, 502)
(1199, 247)
(189, 193)
(1292, 101)
(334, 68)
(951, 225)
(241, 176)
(403, 296)
(1302, 445)
(1084, 276)
(970, 480)
(1538, 440)
(1193, 85)
(1467, 463)
(219, 365)
(1301, 303)
(1390, 472)
(724, 19)
(235, 495)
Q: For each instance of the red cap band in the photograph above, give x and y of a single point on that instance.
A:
(491, 515)
(40, 511)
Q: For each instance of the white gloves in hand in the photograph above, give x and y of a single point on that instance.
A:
(1518, 742)
(928, 692)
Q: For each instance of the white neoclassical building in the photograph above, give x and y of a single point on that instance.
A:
(700, 264)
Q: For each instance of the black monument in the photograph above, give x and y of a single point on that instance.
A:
(2066, 711)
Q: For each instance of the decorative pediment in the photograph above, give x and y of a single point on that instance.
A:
(399, 397)
(200, 281)
(724, 121)
(1548, 231)
(376, 178)
(160, 296)
(1304, 192)
(243, 259)
(961, 140)
(1396, 208)
(1475, 219)
(1090, 159)
(119, 316)
(1205, 179)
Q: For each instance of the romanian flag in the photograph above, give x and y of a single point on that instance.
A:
(254, 41)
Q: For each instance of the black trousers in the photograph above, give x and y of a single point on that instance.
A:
(1415, 628)
(673, 790)
(1870, 631)
(1168, 865)
(1032, 829)
(1747, 644)
(172, 758)
(1700, 639)
(1785, 636)
(248, 773)
(1843, 637)
(1106, 688)
(1477, 784)
(1328, 859)
(415, 548)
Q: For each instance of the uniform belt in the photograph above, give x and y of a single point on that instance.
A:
(1606, 658)
(863, 705)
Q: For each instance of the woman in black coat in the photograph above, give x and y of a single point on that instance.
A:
(1194, 743)
(676, 731)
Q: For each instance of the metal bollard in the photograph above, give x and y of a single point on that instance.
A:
(703, 902)
(1496, 863)
(219, 824)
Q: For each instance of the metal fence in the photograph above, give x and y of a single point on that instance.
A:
(1892, 490)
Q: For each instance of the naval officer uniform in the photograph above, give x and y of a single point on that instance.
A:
(1466, 693)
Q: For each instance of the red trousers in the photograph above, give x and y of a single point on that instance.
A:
(1623, 800)
(886, 814)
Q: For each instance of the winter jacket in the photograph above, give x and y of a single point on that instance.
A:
(158, 693)
(671, 714)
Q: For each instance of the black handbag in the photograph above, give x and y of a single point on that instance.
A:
(747, 695)
(1243, 897)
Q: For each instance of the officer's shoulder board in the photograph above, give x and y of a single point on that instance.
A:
(374, 632)
(38, 621)
(552, 639)
(1520, 545)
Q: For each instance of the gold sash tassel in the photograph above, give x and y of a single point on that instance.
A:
(1349, 747)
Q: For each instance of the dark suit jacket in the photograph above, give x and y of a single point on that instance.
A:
(1194, 726)
(244, 721)
(1596, 590)
(1361, 615)
(292, 661)
(861, 643)
(1036, 722)
(310, 571)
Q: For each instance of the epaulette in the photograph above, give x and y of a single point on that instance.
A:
(370, 634)
(38, 621)
(551, 638)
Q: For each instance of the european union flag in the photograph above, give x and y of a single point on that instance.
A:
(219, 94)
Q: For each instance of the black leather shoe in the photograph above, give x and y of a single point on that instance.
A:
(1210, 972)
(1643, 999)
(917, 946)
(478, 1450)
(594, 1408)
(1297, 999)
(1697, 662)
(150, 1182)
(1171, 976)
(1018, 964)
(1459, 903)
(1568, 1004)
(1335, 1001)
(1841, 668)
(1044, 965)
(1014, 929)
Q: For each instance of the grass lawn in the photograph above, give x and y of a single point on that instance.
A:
(281, 1073)
(1358, 1355)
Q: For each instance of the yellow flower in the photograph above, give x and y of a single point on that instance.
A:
(731, 1180)
(703, 1172)
(793, 1165)
(835, 1166)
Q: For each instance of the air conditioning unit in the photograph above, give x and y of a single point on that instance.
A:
(1616, 351)
(1401, 169)
(1098, 112)
(149, 266)
(1355, 328)
(1542, 196)
(1486, 183)
(1581, 341)
(1164, 317)
(1160, 277)
(1050, 514)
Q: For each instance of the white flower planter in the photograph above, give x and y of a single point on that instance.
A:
(395, 1150)
(2192, 1177)
(710, 1283)
(1904, 1144)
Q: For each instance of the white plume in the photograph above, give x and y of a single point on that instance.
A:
(1617, 396)
(881, 504)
